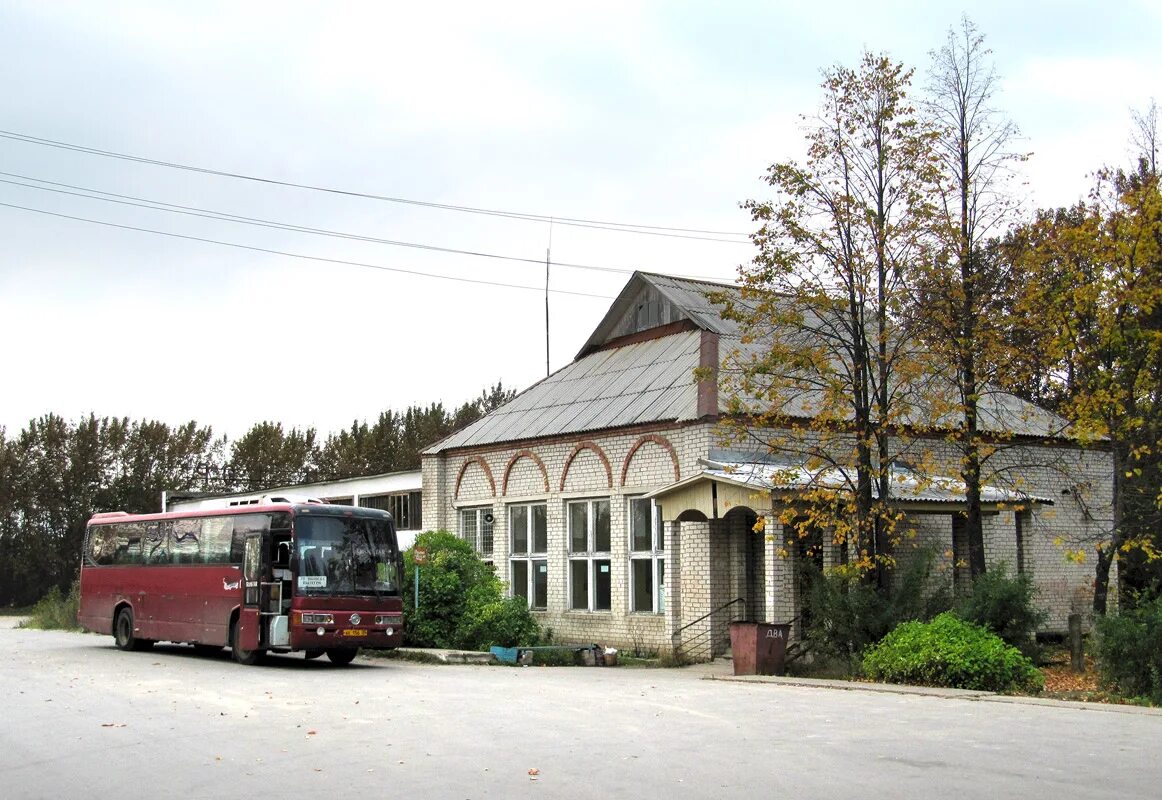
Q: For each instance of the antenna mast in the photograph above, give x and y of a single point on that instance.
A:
(548, 250)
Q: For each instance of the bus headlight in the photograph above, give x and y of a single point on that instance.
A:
(388, 619)
(318, 619)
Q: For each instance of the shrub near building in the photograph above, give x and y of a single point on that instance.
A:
(461, 601)
(1129, 652)
(953, 653)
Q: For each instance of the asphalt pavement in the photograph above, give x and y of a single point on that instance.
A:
(84, 719)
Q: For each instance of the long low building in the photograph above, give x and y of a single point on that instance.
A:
(398, 493)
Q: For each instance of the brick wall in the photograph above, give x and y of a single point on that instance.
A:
(707, 564)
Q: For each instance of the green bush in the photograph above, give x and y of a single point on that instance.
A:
(505, 622)
(462, 602)
(1004, 606)
(1129, 651)
(56, 610)
(847, 614)
(951, 652)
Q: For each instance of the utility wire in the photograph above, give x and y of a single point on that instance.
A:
(205, 213)
(193, 211)
(651, 230)
(300, 255)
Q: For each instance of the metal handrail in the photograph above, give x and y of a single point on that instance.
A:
(674, 635)
(703, 640)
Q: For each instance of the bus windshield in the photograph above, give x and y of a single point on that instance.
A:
(345, 555)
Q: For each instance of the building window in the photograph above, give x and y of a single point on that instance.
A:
(647, 564)
(528, 538)
(476, 529)
(590, 577)
(404, 508)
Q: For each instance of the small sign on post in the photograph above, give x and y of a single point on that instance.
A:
(419, 556)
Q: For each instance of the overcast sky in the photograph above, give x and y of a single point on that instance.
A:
(659, 114)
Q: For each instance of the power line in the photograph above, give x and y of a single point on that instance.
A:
(204, 213)
(90, 193)
(623, 227)
(303, 256)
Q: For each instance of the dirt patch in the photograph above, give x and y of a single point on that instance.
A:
(1062, 683)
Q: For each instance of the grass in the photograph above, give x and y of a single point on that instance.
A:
(56, 611)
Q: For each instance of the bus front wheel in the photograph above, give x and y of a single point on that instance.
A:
(123, 632)
(342, 657)
(243, 656)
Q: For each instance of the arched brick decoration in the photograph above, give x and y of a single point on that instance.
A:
(464, 468)
(588, 445)
(517, 456)
(662, 442)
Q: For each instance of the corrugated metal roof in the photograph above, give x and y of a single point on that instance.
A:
(906, 484)
(652, 380)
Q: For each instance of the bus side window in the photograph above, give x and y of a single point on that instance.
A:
(156, 543)
(184, 545)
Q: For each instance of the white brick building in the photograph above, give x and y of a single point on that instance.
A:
(602, 496)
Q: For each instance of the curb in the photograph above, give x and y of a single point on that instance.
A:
(856, 686)
(448, 656)
(938, 692)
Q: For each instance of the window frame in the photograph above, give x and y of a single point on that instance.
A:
(593, 558)
(655, 555)
(477, 540)
(532, 557)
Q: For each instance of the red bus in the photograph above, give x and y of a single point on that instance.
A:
(269, 578)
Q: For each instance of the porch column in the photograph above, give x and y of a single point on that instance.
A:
(770, 551)
(693, 565)
(672, 540)
(781, 588)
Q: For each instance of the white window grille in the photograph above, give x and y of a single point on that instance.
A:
(476, 529)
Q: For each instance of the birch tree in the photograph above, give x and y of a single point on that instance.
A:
(821, 377)
(954, 291)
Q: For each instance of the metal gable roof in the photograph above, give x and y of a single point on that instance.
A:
(643, 382)
(618, 379)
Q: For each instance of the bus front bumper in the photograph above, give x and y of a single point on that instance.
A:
(340, 632)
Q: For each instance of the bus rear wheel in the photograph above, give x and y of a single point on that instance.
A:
(123, 632)
(342, 657)
(245, 657)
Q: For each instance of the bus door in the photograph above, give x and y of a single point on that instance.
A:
(249, 618)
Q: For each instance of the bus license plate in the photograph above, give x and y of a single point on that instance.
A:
(354, 632)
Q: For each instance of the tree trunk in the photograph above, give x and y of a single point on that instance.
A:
(1106, 555)
(1101, 581)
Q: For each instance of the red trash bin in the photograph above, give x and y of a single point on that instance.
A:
(759, 648)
